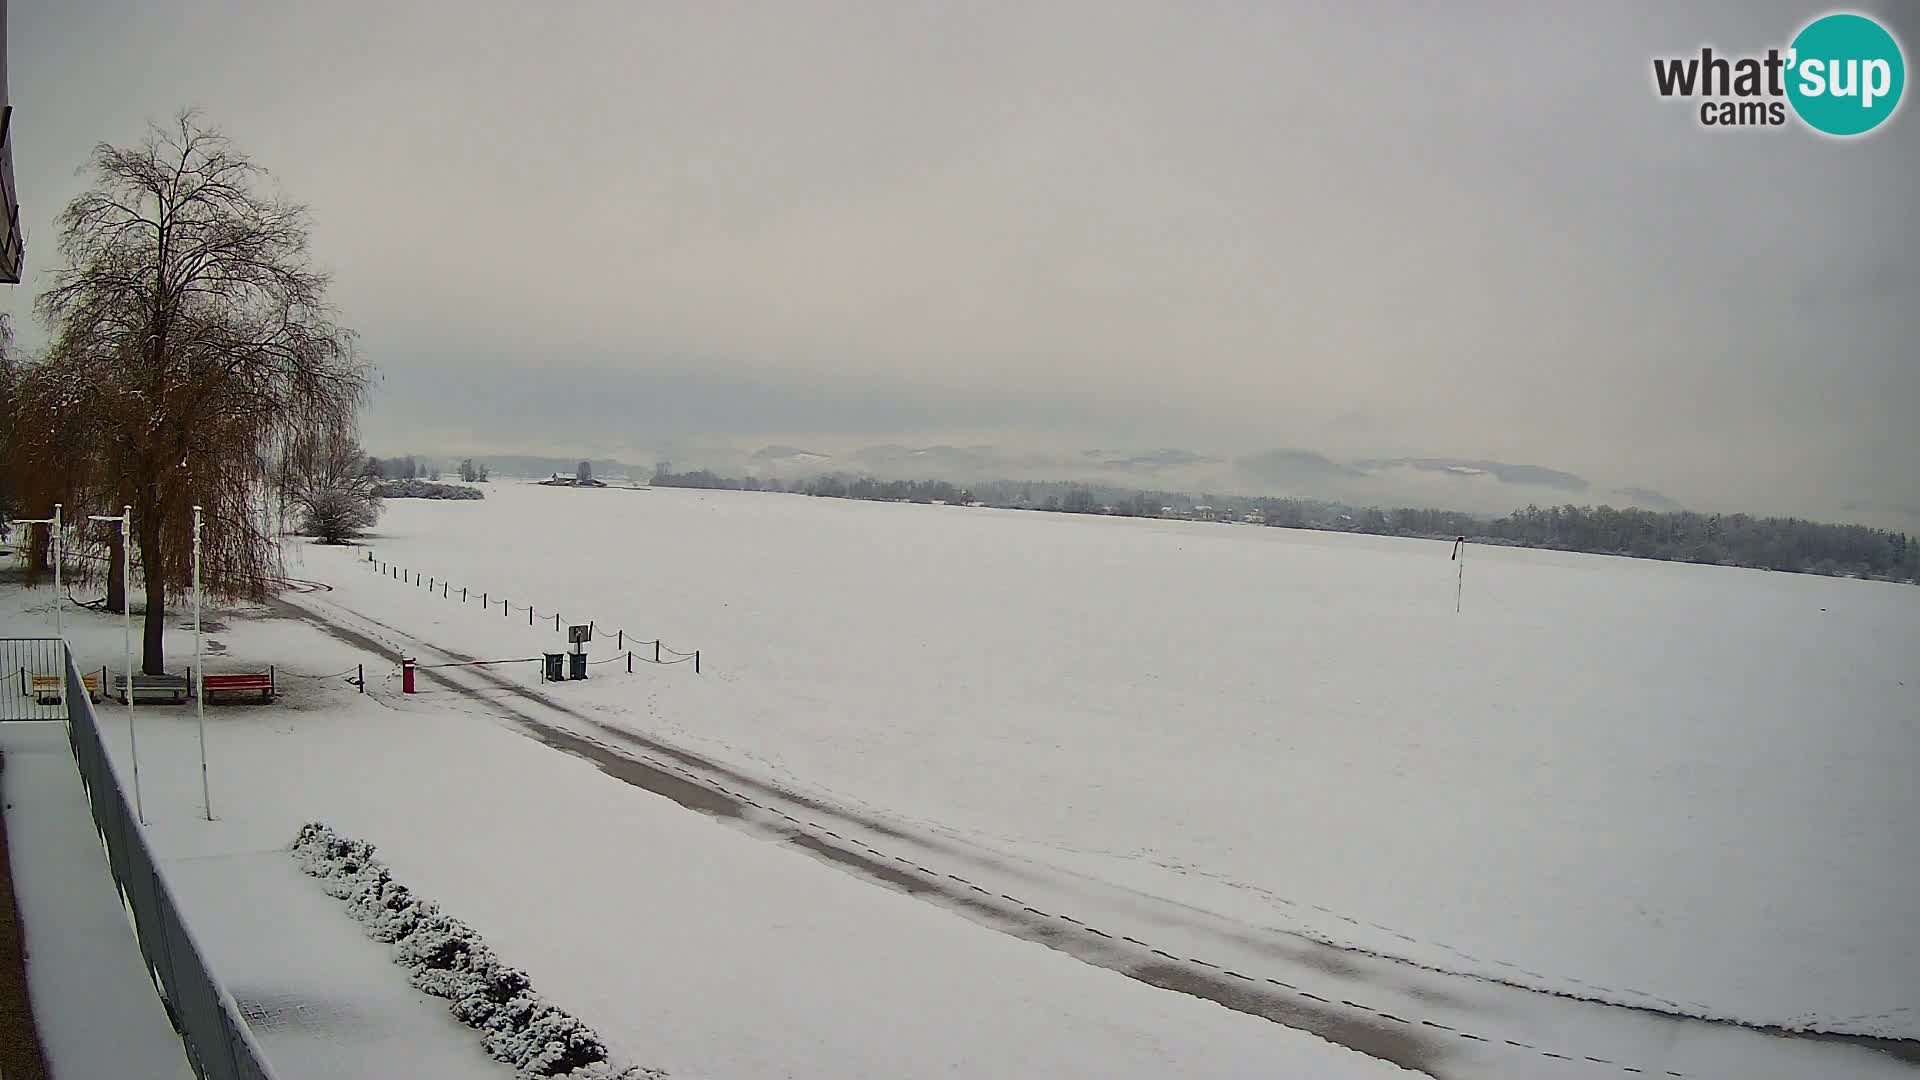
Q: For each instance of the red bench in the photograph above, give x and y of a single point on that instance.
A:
(256, 683)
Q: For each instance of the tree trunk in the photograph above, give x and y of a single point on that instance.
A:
(153, 653)
(39, 551)
(116, 573)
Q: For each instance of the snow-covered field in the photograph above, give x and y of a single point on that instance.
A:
(1686, 789)
(1634, 780)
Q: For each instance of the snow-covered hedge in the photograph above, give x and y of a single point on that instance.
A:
(426, 489)
(446, 958)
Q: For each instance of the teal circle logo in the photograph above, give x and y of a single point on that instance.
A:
(1845, 74)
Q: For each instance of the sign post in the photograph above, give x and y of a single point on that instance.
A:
(60, 590)
(199, 676)
(578, 636)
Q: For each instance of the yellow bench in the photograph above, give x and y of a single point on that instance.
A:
(46, 688)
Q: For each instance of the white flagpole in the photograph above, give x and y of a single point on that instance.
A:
(125, 521)
(59, 593)
(199, 675)
(126, 605)
(59, 596)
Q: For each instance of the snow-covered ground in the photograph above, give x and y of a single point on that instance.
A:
(688, 944)
(1616, 778)
(1679, 788)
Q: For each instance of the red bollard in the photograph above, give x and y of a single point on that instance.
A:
(406, 675)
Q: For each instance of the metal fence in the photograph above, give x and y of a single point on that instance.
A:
(32, 679)
(219, 1044)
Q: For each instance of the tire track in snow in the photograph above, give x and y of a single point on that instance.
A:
(1376, 1032)
(674, 780)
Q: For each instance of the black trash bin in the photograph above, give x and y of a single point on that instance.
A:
(554, 672)
(576, 665)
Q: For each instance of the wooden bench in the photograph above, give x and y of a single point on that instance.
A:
(260, 683)
(154, 689)
(47, 688)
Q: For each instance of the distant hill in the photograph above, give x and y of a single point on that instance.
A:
(1475, 485)
(539, 468)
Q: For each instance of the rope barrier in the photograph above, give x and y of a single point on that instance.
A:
(477, 663)
(620, 636)
(300, 675)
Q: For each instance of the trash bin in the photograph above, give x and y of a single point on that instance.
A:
(553, 669)
(576, 665)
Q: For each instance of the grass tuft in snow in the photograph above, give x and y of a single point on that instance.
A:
(445, 957)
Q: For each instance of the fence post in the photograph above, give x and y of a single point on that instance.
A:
(443, 591)
(620, 640)
(696, 661)
(629, 661)
(463, 594)
(656, 650)
(529, 614)
(556, 620)
(363, 677)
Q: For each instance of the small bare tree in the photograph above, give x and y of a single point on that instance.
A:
(191, 327)
(327, 481)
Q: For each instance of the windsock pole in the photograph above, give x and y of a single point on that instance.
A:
(1459, 557)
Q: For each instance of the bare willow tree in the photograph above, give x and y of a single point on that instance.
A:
(192, 332)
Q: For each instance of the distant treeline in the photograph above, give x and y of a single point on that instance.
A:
(406, 468)
(401, 468)
(1771, 543)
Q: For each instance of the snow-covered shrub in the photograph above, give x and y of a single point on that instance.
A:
(501, 997)
(446, 958)
(421, 489)
(552, 1043)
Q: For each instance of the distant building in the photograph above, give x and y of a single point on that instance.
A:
(556, 480)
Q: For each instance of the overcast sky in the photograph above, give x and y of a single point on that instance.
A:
(1364, 229)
